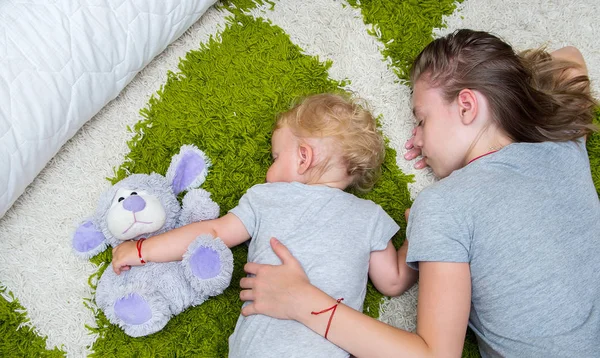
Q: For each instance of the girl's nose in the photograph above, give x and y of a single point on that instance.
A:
(418, 142)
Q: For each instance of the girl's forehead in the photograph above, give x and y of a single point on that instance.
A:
(424, 96)
(419, 95)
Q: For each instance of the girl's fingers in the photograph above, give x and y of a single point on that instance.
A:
(412, 154)
(282, 252)
(246, 295)
(249, 310)
(420, 164)
(252, 267)
(247, 282)
(269, 287)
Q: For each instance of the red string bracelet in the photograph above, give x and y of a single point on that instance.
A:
(138, 244)
(332, 309)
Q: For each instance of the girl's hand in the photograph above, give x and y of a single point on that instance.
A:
(125, 256)
(414, 152)
(276, 290)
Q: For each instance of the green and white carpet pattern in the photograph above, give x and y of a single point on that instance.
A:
(219, 87)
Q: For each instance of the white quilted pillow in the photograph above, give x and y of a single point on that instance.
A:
(62, 61)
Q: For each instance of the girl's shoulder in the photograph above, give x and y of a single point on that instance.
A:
(438, 196)
(515, 170)
(521, 158)
(572, 149)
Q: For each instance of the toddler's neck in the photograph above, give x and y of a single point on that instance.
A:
(333, 178)
(337, 185)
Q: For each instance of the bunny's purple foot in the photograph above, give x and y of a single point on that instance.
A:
(208, 265)
(133, 309)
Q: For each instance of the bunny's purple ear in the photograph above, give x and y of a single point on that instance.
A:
(188, 169)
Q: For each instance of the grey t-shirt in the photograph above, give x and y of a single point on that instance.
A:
(332, 234)
(527, 220)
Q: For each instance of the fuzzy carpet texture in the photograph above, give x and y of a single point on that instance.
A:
(219, 86)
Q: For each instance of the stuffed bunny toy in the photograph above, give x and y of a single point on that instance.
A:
(143, 299)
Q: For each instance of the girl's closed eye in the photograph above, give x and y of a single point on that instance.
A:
(418, 119)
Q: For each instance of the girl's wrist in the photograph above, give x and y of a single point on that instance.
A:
(316, 310)
(309, 299)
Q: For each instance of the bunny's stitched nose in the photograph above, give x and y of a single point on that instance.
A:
(134, 203)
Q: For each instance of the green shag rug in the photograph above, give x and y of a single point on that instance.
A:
(224, 99)
(17, 339)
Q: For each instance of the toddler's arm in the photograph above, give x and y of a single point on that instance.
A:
(389, 272)
(171, 245)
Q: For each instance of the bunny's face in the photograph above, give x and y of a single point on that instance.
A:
(134, 213)
(143, 205)
(140, 205)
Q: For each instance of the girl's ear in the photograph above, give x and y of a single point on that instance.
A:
(305, 158)
(467, 106)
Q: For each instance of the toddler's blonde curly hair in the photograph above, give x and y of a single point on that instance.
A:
(350, 125)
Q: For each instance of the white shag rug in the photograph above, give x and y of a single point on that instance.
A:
(36, 262)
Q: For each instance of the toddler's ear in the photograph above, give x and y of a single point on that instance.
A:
(305, 158)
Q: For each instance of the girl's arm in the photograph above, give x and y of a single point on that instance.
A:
(389, 272)
(571, 54)
(284, 292)
(171, 245)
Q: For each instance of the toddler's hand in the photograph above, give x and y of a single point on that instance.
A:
(125, 256)
(414, 152)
